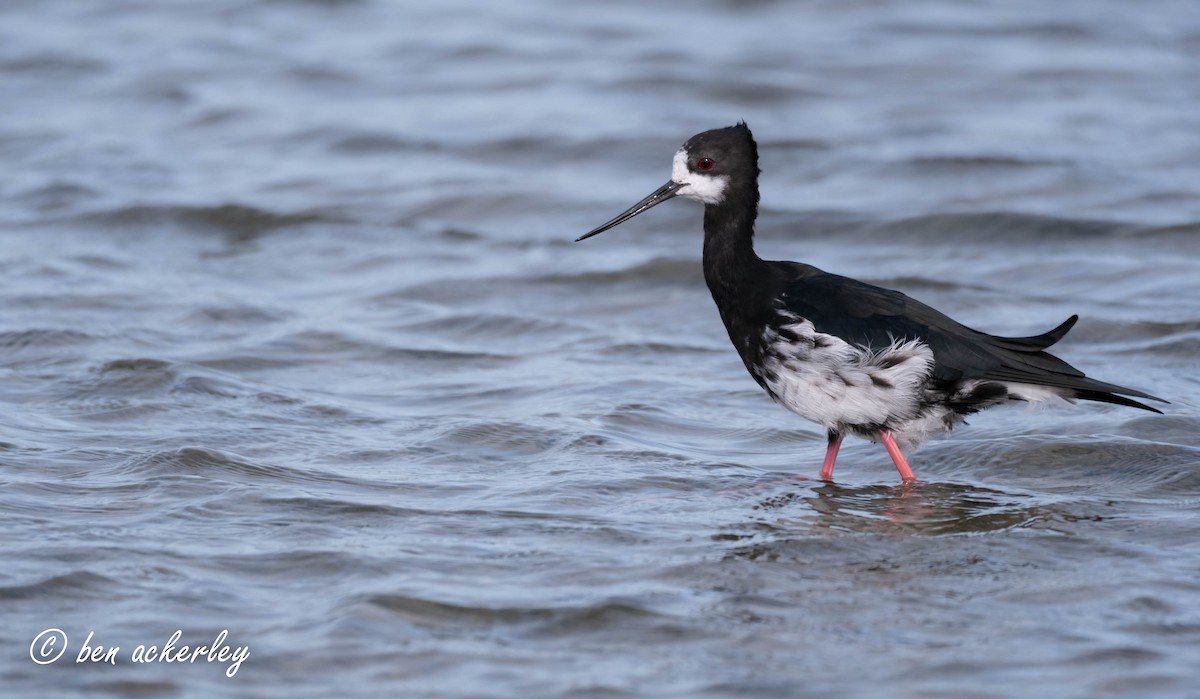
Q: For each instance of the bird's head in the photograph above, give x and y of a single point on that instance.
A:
(705, 168)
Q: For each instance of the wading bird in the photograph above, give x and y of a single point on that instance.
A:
(850, 356)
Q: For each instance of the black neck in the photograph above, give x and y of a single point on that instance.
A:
(730, 263)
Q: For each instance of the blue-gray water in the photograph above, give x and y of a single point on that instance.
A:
(294, 343)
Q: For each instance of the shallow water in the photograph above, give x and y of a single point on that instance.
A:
(296, 344)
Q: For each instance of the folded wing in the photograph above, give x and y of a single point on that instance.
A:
(874, 317)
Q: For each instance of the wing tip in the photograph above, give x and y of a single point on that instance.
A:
(1052, 336)
(1037, 343)
(1116, 399)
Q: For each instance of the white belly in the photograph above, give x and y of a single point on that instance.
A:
(833, 383)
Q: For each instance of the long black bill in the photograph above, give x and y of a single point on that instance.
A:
(659, 195)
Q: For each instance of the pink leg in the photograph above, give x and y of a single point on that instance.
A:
(893, 450)
(835, 442)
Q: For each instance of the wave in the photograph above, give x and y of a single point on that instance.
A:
(235, 219)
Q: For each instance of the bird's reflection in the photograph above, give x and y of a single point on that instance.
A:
(913, 508)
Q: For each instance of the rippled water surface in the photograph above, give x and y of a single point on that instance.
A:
(296, 344)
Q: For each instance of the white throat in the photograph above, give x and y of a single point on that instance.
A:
(709, 189)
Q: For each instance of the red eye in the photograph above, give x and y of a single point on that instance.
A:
(705, 163)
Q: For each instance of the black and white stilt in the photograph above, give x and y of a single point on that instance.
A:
(855, 358)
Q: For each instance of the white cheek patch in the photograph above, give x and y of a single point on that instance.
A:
(709, 189)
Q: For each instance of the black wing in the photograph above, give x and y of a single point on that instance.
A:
(874, 317)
